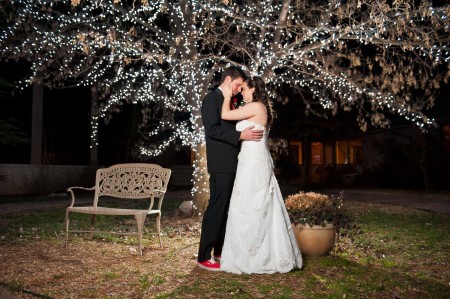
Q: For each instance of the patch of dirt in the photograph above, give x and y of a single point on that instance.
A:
(87, 268)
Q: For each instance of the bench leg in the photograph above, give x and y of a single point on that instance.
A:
(93, 217)
(140, 219)
(158, 228)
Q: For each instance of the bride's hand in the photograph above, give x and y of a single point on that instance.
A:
(227, 91)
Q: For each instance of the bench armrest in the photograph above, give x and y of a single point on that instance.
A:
(160, 195)
(159, 192)
(71, 189)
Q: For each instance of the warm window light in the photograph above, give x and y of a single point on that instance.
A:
(295, 152)
(348, 151)
(317, 153)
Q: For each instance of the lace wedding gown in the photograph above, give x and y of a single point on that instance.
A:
(258, 238)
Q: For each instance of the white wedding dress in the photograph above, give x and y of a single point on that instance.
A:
(258, 238)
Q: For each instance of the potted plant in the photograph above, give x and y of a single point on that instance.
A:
(316, 219)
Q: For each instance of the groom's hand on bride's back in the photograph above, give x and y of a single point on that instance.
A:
(251, 135)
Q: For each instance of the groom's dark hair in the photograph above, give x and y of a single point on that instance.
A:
(234, 72)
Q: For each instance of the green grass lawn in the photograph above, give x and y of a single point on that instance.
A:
(398, 252)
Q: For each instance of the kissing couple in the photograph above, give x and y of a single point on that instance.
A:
(246, 227)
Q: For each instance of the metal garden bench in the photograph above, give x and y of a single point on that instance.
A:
(127, 182)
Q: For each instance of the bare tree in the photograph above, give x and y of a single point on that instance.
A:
(378, 57)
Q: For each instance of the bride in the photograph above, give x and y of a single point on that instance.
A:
(258, 238)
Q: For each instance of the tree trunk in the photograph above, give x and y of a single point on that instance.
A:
(201, 181)
(94, 130)
(36, 122)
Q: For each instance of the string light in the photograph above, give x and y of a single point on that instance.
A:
(163, 54)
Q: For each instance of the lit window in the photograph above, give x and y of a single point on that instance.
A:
(349, 151)
(317, 153)
(342, 152)
(355, 155)
(295, 153)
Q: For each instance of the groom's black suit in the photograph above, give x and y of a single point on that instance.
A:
(222, 148)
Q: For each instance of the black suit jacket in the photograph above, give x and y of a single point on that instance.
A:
(222, 139)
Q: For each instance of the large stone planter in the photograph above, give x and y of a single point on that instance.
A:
(315, 240)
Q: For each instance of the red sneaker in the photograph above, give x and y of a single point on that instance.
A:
(209, 265)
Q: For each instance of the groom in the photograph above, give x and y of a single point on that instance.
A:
(222, 148)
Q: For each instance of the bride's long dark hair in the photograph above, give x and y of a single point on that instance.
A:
(260, 95)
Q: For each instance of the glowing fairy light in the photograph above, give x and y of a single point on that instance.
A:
(164, 55)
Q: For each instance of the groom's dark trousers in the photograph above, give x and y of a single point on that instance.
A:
(215, 217)
(222, 149)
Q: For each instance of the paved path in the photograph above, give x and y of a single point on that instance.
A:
(25, 207)
(432, 201)
(438, 202)
(57, 202)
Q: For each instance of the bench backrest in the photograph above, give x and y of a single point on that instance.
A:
(131, 180)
